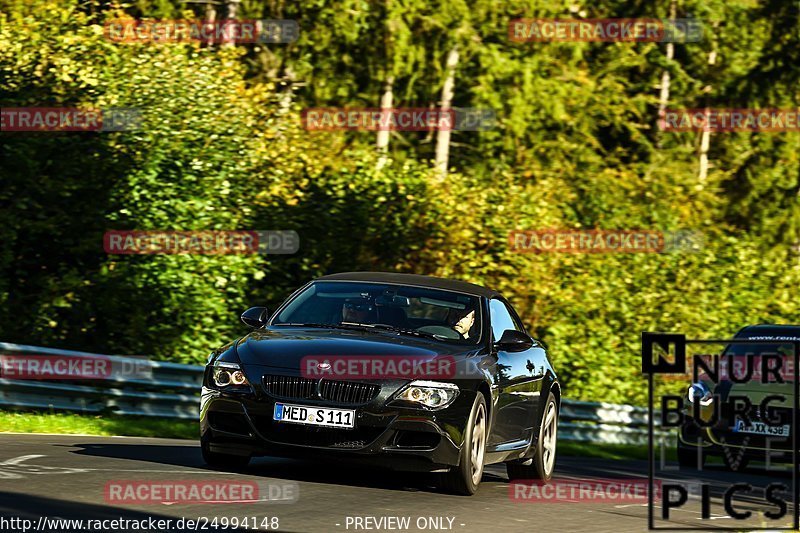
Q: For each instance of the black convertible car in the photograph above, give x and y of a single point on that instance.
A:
(411, 372)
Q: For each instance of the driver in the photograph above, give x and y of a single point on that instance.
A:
(358, 311)
(465, 324)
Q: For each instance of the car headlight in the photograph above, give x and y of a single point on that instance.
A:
(431, 395)
(225, 374)
(700, 393)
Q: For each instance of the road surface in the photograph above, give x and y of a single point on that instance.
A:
(70, 477)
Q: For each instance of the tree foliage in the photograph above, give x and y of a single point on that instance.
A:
(576, 146)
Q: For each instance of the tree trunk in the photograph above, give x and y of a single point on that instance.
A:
(443, 135)
(705, 136)
(211, 16)
(231, 10)
(663, 97)
(387, 94)
(382, 141)
(287, 95)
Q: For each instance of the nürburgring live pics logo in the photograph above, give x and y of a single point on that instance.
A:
(739, 403)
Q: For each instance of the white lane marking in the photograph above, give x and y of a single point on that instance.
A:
(14, 469)
(213, 501)
(200, 471)
(713, 516)
(41, 469)
(21, 458)
(630, 505)
(3, 433)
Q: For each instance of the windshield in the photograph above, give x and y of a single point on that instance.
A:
(743, 349)
(739, 351)
(444, 315)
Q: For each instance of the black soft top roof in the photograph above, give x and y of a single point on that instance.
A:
(413, 280)
(767, 331)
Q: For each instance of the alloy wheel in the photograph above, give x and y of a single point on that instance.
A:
(478, 444)
(549, 439)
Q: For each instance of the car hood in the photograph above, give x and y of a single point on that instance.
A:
(286, 347)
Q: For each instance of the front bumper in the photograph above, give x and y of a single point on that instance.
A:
(716, 439)
(395, 437)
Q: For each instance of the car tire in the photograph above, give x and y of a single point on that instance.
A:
(688, 458)
(540, 467)
(222, 461)
(465, 478)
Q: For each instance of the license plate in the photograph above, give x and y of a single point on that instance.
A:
(314, 416)
(761, 428)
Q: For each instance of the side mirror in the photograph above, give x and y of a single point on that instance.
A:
(513, 341)
(255, 317)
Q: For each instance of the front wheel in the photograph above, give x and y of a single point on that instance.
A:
(540, 467)
(691, 457)
(465, 478)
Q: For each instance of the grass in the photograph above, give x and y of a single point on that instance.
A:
(71, 423)
(142, 426)
(610, 451)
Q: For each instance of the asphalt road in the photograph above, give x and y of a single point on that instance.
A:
(67, 476)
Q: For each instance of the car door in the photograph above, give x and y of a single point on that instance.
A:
(518, 379)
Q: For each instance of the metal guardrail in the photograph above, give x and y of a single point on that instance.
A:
(171, 390)
(603, 422)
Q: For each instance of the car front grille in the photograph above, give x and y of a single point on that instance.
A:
(290, 387)
(348, 391)
(339, 392)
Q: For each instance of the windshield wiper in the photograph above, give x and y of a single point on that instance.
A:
(344, 325)
(396, 329)
(357, 326)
